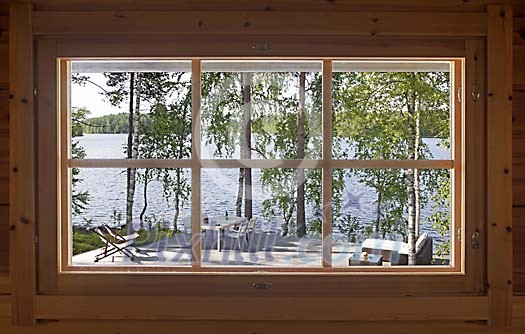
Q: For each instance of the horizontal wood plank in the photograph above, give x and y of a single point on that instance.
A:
(247, 46)
(4, 22)
(5, 287)
(518, 111)
(264, 327)
(519, 284)
(519, 23)
(518, 235)
(4, 244)
(263, 5)
(4, 64)
(518, 217)
(260, 308)
(518, 193)
(518, 145)
(518, 307)
(518, 75)
(257, 23)
(5, 306)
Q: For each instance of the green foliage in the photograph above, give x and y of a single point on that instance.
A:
(78, 119)
(113, 123)
(351, 227)
(167, 135)
(116, 217)
(85, 241)
(371, 117)
(149, 236)
(79, 200)
(441, 219)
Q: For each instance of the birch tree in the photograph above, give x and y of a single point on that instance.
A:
(383, 116)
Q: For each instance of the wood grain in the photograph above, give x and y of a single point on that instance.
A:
(260, 23)
(245, 46)
(47, 180)
(4, 64)
(475, 159)
(261, 308)
(22, 160)
(4, 141)
(263, 327)
(499, 155)
(518, 77)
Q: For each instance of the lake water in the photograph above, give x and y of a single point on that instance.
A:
(107, 191)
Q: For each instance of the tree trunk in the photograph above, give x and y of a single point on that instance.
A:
(178, 172)
(180, 155)
(287, 216)
(301, 221)
(246, 141)
(240, 192)
(377, 223)
(417, 190)
(411, 179)
(145, 196)
(130, 185)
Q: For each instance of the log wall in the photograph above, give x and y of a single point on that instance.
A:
(270, 5)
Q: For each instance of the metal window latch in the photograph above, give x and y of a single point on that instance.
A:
(460, 94)
(262, 286)
(459, 234)
(475, 239)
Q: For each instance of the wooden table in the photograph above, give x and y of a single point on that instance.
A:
(371, 260)
(219, 224)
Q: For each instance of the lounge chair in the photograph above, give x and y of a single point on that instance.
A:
(396, 252)
(114, 243)
(121, 238)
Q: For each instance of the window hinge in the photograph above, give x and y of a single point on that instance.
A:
(475, 92)
(36, 239)
(460, 94)
(475, 239)
(459, 234)
(35, 92)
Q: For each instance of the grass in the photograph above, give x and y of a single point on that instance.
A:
(86, 240)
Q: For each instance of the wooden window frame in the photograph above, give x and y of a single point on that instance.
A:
(327, 164)
(55, 277)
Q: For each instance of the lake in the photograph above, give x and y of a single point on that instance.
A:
(107, 191)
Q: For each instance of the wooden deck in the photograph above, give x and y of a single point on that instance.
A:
(263, 250)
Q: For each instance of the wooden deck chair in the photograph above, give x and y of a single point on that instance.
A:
(122, 238)
(113, 246)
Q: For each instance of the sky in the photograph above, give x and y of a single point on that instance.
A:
(90, 97)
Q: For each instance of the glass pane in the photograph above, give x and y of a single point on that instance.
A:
(373, 211)
(390, 111)
(273, 236)
(158, 213)
(261, 109)
(156, 93)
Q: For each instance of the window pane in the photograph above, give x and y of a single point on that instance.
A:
(373, 209)
(158, 95)
(159, 211)
(275, 238)
(390, 111)
(261, 110)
